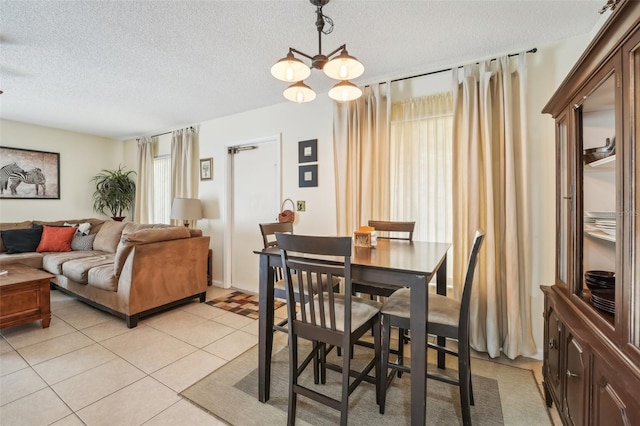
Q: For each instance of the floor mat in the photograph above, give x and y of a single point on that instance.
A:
(241, 303)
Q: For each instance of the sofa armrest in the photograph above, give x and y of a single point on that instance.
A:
(158, 273)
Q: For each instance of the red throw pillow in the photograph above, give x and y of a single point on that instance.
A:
(56, 238)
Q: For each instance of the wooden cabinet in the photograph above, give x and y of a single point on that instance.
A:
(592, 328)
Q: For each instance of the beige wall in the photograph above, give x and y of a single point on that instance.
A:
(81, 157)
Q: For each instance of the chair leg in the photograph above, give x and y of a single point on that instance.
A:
(464, 380)
(346, 368)
(384, 363)
(470, 380)
(401, 339)
(377, 348)
(293, 380)
(316, 361)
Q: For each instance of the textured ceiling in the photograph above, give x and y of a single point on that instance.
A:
(123, 69)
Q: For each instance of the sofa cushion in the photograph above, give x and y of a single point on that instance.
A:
(102, 277)
(56, 239)
(21, 240)
(52, 262)
(82, 242)
(27, 224)
(78, 269)
(145, 236)
(108, 236)
(32, 259)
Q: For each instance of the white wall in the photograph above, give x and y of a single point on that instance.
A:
(81, 157)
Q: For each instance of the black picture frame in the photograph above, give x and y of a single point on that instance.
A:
(308, 151)
(308, 176)
(27, 174)
(206, 169)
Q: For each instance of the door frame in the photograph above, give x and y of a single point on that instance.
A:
(228, 209)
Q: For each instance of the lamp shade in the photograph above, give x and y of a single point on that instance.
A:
(290, 69)
(299, 93)
(345, 91)
(186, 209)
(343, 67)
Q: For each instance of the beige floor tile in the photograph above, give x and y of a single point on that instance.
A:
(234, 320)
(188, 370)
(76, 362)
(184, 413)
(19, 384)
(203, 334)
(5, 346)
(110, 328)
(39, 408)
(203, 310)
(251, 328)
(70, 420)
(86, 388)
(32, 333)
(232, 345)
(81, 315)
(148, 349)
(174, 322)
(52, 348)
(132, 405)
(11, 362)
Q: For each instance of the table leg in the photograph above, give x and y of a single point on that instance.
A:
(441, 288)
(418, 325)
(265, 328)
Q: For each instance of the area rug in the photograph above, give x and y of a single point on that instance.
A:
(504, 395)
(241, 303)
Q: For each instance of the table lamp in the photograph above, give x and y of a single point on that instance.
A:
(186, 209)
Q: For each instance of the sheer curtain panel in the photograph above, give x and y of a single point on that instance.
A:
(184, 164)
(361, 156)
(491, 192)
(144, 188)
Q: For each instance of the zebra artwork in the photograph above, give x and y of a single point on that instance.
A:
(5, 172)
(33, 176)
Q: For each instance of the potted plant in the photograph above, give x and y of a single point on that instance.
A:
(115, 192)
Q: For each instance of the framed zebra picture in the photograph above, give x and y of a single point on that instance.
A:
(28, 174)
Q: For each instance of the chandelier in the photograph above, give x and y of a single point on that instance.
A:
(342, 67)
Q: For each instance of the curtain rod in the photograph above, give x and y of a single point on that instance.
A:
(534, 50)
(165, 133)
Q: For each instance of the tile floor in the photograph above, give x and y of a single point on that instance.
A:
(89, 368)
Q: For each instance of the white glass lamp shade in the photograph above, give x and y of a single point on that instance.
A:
(345, 91)
(186, 209)
(299, 93)
(290, 69)
(343, 67)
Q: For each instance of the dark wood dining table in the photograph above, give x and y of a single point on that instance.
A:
(392, 263)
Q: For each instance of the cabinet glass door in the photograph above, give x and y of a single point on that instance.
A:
(596, 119)
(565, 202)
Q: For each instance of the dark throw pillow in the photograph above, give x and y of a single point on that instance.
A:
(21, 240)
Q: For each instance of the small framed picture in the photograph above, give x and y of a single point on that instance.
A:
(206, 168)
(308, 151)
(308, 176)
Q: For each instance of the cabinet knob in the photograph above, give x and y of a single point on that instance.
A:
(567, 197)
(570, 374)
(553, 344)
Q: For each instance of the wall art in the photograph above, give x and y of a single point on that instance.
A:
(28, 174)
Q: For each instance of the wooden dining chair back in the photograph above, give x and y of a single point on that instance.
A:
(327, 319)
(447, 318)
(393, 230)
(268, 231)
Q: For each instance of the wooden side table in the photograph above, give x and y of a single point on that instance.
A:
(24, 295)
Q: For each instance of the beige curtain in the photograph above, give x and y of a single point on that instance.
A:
(491, 192)
(361, 155)
(185, 164)
(144, 187)
(421, 164)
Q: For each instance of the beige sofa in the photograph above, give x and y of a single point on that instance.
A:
(132, 269)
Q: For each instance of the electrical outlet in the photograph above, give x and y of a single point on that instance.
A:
(301, 206)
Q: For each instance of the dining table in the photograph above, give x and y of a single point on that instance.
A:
(391, 263)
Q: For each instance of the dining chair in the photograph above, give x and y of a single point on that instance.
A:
(327, 319)
(269, 231)
(447, 317)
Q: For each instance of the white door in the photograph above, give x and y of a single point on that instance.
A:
(255, 198)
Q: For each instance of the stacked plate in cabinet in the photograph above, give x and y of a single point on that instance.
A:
(602, 285)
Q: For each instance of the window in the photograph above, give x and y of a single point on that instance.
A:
(162, 189)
